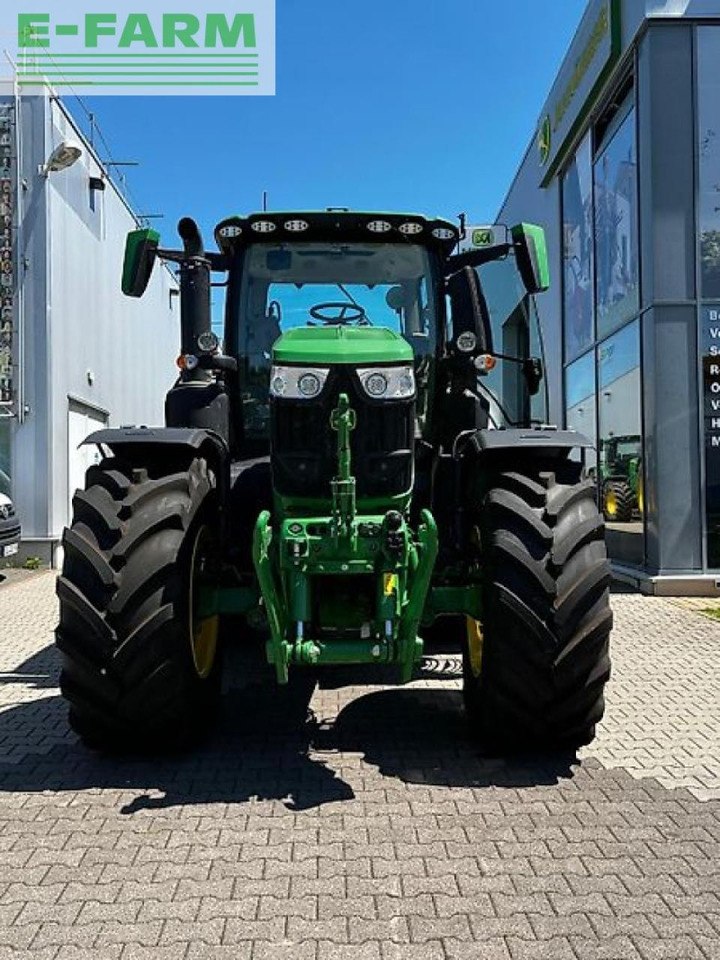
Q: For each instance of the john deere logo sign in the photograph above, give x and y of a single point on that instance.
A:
(168, 51)
(545, 140)
(594, 52)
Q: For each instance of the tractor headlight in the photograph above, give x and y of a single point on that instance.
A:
(309, 385)
(297, 383)
(466, 342)
(388, 383)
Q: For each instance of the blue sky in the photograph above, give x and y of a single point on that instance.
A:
(417, 105)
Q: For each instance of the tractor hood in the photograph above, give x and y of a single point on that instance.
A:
(340, 344)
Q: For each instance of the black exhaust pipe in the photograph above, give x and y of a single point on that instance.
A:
(197, 399)
(195, 280)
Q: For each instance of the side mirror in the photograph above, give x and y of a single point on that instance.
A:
(395, 299)
(141, 249)
(472, 333)
(532, 257)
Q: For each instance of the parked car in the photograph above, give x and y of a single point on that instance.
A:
(9, 523)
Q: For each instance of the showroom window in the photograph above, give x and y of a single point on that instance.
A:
(578, 258)
(581, 403)
(601, 302)
(709, 127)
(620, 446)
(616, 224)
(709, 184)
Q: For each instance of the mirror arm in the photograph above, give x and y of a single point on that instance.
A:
(175, 256)
(217, 361)
(218, 261)
(506, 356)
(476, 258)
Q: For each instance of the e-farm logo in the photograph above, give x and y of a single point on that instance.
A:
(155, 52)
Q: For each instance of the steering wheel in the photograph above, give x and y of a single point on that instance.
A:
(342, 313)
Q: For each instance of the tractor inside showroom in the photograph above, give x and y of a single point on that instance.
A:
(363, 454)
(621, 472)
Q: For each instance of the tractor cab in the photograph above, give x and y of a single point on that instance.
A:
(300, 278)
(462, 299)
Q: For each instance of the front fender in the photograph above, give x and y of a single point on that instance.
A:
(542, 439)
(141, 444)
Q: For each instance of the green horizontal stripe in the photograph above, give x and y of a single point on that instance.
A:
(150, 83)
(139, 73)
(62, 67)
(52, 55)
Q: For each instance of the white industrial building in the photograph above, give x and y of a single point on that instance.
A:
(75, 354)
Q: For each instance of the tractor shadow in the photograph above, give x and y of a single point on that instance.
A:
(268, 744)
(420, 736)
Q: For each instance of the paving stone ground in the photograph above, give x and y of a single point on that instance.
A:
(368, 826)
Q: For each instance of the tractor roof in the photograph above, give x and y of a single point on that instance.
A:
(336, 225)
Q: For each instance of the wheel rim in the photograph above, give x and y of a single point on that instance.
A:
(611, 503)
(203, 629)
(475, 645)
(640, 497)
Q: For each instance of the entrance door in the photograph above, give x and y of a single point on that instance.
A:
(82, 421)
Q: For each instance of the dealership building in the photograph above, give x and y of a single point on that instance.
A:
(623, 172)
(75, 355)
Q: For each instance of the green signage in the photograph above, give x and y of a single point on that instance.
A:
(594, 52)
(545, 139)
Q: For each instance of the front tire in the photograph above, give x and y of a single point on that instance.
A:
(140, 660)
(535, 670)
(618, 501)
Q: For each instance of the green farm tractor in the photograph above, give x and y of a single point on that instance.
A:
(621, 473)
(362, 455)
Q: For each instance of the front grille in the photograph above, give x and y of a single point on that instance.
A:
(304, 447)
(9, 532)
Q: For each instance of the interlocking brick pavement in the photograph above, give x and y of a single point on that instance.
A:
(368, 827)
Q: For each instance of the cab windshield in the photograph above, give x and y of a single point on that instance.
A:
(288, 285)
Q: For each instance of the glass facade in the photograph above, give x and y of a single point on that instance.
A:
(578, 252)
(581, 403)
(601, 329)
(708, 39)
(616, 227)
(620, 444)
(709, 153)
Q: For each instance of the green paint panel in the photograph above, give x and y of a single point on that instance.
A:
(453, 599)
(307, 507)
(533, 256)
(345, 345)
(344, 587)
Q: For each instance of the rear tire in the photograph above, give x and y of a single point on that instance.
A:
(537, 680)
(140, 668)
(618, 501)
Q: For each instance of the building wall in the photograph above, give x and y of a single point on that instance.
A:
(669, 330)
(87, 350)
(108, 351)
(658, 328)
